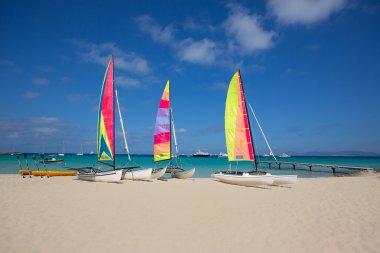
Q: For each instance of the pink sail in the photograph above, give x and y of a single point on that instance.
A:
(106, 117)
(162, 129)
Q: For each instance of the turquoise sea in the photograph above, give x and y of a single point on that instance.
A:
(204, 165)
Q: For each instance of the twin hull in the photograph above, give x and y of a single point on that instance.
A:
(137, 174)
(158, 173)
(255, 180)
(245, 179)
(184, 174)
(105, 176)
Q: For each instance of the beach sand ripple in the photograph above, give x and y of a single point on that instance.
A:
(62, 214)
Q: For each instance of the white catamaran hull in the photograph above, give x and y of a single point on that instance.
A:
(158, 173)
(184, 174)
(284, 179)
(245, 179)
(106, 176)
(137, 174)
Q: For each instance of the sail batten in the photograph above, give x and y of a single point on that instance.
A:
(106, 117)
(162, 129)
(238, 134)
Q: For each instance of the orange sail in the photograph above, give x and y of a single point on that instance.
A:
(238, 133)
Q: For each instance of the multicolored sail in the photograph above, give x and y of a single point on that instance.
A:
(106, 117)
(237, 129)
(162, 129)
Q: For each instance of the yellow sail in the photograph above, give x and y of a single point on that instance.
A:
(237, 129)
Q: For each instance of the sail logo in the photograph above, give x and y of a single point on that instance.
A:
(239, 157)
(104, 150)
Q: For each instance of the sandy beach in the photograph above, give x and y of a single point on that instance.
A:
(62, 214)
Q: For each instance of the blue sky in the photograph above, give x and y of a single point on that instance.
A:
(311, 71)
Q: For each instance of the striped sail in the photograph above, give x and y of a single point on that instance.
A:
(106, 117)
(237, 129)
(162, 129)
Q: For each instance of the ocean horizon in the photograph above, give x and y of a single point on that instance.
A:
(205, 166)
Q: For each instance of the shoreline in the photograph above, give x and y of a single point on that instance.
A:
(62, 214)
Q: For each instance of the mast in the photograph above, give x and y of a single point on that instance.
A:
(122, 126)
(175, 138)
(170, 122)
(249, 123)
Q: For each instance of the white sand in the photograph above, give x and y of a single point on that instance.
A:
(62, 214)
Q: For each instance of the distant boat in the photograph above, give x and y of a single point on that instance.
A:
(221, 154)
(13, 150)
(81, 150)
(63, 149)
(51, 160)
(105, 133)
(201, 154)
(284, 155)
(268, 155)
(164, 128)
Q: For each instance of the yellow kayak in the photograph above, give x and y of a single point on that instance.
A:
(50, 173)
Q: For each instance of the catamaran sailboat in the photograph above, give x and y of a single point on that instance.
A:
(163, 130)
(240, 146)
(106, 134)
(239, 141)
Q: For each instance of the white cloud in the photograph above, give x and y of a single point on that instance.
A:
(258, 68)
(44, 130)
(219, 86)
(40, 81)
(159, 34)
(7, 63)
(13, 135)
(305, 12)
(180, 130)
(66, 79)
(44, 120)
(203, 52)
(75, 98)
(132, 62)
(100, 54)
(190, 24)
(245, 32)
(45, 69)
(30, 134)
(127, 82)
(31, 94)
